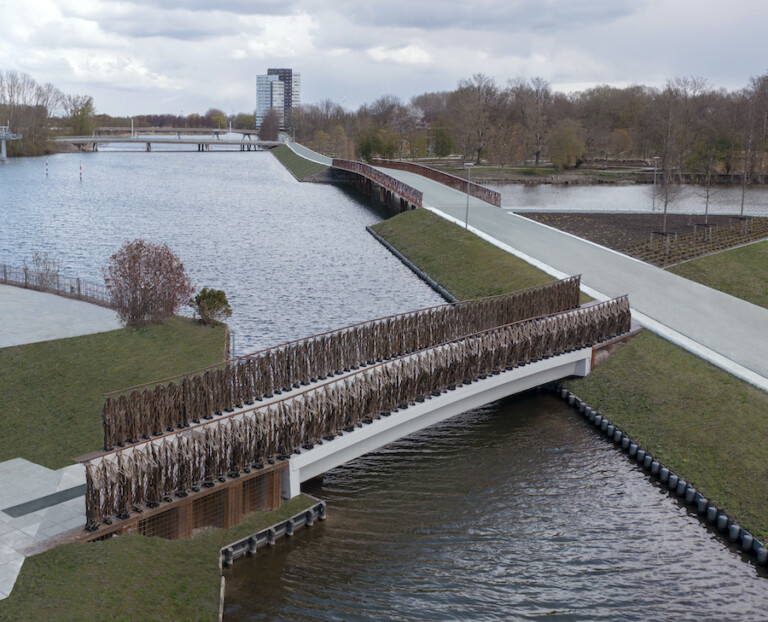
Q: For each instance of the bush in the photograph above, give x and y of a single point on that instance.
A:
(146, 282)
(211, 305)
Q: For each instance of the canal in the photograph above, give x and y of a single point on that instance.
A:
(513, 511)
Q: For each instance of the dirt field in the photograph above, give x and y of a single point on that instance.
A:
(620, 231)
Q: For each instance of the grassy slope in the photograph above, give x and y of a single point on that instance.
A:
(741, 272)
(700, 421)
(54, 414)
(697, 419)
(131, 577)
(300, 167)
(461, 262)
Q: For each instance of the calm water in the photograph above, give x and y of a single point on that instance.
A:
(630, 198)
(512, 511)
(294, 259)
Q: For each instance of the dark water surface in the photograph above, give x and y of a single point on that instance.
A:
(514, 511)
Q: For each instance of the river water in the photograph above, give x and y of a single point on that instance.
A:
(513, 511)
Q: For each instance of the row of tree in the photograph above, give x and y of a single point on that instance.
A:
(688, 124)
(32, 110)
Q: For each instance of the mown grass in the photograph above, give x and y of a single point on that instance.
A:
(464, 264)
(300, 167)
(698, 420)
(53, 389)
(132, 577)
(740, 272)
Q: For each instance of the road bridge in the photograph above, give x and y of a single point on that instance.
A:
(5, 135)
(202, 143)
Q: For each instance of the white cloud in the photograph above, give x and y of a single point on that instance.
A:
(408, 55)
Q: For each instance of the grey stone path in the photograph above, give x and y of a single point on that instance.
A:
(27, 316)
(725, 330)
(41, 503)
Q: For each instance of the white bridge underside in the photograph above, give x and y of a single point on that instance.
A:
(350, 445)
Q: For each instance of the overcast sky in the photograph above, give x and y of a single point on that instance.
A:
(184, 56)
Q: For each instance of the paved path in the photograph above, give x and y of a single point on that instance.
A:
(39, 506)
(725, 330)
(27, 316)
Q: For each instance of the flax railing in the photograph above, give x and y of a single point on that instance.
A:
(179, 464)
(146, 410)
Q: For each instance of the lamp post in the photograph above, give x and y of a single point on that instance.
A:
(468, 166)
(655, 164)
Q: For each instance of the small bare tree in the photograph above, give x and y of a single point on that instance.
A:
(44, 271)
(146, 282)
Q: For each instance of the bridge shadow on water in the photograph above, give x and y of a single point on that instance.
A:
(512, 510)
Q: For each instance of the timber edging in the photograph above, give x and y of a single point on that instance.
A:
(417, 271)
(676, 486)
(266, 537)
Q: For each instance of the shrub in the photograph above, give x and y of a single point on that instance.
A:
(211, 305)
(146, 282)
(44, 271)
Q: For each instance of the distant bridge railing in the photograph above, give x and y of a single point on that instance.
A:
(119, 483)
(452, 181)
(56, 283)
(174, 403)
(407, 192)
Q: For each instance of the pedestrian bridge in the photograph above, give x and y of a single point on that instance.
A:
(318, 402)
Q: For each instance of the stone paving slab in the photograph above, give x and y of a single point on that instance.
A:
(28, 316)
(27, 532)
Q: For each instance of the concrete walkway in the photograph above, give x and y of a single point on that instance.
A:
(722, 329)
(39, 506)
(28, 316)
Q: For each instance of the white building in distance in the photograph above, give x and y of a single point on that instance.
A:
(280, 90)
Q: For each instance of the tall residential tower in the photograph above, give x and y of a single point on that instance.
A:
(279, 89)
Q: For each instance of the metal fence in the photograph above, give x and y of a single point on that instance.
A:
(148, 410)
(409, 193)
(55, 283)
(146, 474)
(452, 181)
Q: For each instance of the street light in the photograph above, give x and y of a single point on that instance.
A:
(655, 164)
(468, 166)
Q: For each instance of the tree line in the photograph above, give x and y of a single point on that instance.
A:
(688, 124)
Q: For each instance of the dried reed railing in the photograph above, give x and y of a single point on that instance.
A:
(153, 410)
(155, 471)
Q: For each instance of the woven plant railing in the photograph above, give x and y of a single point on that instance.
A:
(452, 181)
(145, 411)
(179, 464)
(395, 185)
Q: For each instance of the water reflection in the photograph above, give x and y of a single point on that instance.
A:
(513, 511)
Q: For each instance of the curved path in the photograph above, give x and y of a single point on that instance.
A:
(727, 331)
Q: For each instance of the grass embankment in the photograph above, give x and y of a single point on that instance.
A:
(53, 389)
(301, 168)
(132, 577)
(464, 264)
(740, 272)
(698, 420)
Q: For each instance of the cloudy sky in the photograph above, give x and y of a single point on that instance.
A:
(183, 56)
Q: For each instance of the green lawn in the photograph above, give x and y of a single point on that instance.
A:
(700, 421)
(741, 272)
(53, 389)
(132, 577)
(300, 167)
(464, 264)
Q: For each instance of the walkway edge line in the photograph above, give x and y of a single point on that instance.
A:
(688, 344)
(417, 271)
